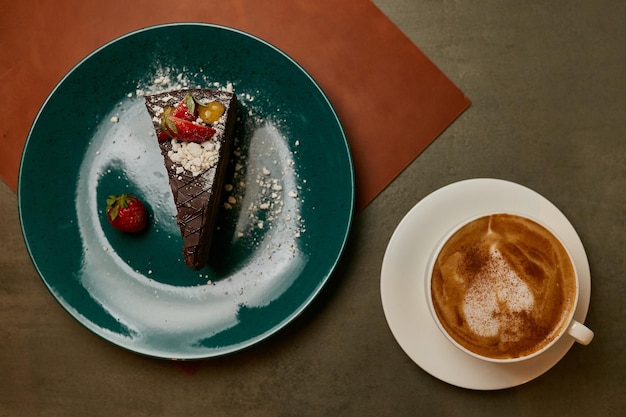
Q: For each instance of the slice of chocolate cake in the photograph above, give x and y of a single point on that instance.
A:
(195, 133)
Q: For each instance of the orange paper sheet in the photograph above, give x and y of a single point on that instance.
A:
(391, 99)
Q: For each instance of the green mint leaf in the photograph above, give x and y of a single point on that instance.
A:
(190, 103)
(171, 126)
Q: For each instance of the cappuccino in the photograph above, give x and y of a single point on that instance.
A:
(503, 286)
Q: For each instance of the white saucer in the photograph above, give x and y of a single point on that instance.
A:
(403, 289)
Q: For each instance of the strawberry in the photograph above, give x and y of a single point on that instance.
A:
(186, 109)
(126, 213)
(180, 122)
(185, 130)
(163, 135)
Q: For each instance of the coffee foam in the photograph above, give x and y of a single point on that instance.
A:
(503, 286)
(498, 291)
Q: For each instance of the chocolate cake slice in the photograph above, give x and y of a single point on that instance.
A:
(195, 133)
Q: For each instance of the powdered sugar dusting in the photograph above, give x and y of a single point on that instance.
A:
(266, 188)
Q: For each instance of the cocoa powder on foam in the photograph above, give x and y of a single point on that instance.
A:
(502, 286)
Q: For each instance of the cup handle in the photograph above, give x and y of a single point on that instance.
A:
(581, 333)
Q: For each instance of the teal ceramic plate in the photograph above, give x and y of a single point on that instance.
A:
(290, 211)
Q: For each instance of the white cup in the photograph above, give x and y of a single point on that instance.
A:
(570, 328)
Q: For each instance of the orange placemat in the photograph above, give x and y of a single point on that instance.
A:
(372, 73)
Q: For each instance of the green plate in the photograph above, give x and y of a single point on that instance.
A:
(275, 248)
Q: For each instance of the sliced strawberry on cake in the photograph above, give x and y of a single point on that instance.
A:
(195, 134)
(185, 130)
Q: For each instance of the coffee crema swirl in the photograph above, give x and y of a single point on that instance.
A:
(503, 286)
